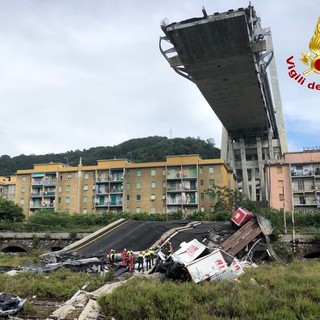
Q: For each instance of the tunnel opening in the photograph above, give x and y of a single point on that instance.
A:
(53, 249)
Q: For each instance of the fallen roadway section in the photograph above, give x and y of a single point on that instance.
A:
(204, 251)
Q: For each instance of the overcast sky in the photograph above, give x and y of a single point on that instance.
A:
(77, 74)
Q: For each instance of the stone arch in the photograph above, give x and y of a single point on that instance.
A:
(14, 248)
(312, 255)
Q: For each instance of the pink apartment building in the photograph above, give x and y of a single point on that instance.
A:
(294, 181)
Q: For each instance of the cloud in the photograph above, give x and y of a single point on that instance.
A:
(79, 74)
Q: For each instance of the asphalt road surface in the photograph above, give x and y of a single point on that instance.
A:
(140, 235)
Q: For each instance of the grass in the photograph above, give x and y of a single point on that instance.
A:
(59, 285)
(278, 292)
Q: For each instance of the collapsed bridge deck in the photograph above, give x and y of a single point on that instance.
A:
(223, 54)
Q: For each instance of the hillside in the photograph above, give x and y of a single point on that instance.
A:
(138, 150)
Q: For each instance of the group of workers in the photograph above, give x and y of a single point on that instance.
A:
(145, 259)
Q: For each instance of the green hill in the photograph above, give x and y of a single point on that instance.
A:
(138, 150)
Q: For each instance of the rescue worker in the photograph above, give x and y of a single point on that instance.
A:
(111, 257)
(148, 259)
(141, 261)
(124, 256)
(130, 260)
(167, 248)
(151, 256)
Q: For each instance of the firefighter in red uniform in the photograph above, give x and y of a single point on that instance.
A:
(124, 256)
(130, 260)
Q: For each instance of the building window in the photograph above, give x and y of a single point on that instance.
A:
(85, 187)
(67, 200)
(163, 184)
(201, 183)
(280, 186)
(86, 176)
(85, 199)
(128, 186)
(138, 210)
(21, 202)
(212, 195)
(153, 210)
(300, 184)
(85, 211)
(128, 197)
(138, 197)
(164, 172)
(24, 178)
(138, 185)
(163, 197)
(59, 200)
(23, 190)
(153, 197)
(69, 177)
(128, 210)
(302, 200)
(200, 169)
(68, 187)
(211, 169)
(202, 195)
(281, 197)
(138, 173)
(212, 209)
(279, 170)
(202, 209)
(60, 189)
(153, 172)
(211, 183)
(153, 184)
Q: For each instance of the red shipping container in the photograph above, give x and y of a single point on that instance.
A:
(241, 216)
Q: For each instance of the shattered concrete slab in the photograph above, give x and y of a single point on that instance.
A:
(10, 304)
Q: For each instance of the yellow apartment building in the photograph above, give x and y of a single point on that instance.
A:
(117, 185)
(7, 187)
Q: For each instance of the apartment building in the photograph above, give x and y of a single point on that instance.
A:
(7, 187)
(294, 181)
(177, 184)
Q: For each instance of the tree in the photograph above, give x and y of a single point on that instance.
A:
(9, 211)
(227, 199)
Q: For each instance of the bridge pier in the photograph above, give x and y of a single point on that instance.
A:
(228, 63)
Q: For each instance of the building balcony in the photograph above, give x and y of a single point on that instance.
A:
(109, 204)
(310, 190)
(48, 194)
(116, 190)
(102, 192)
(174, 189)
(49, 182)
(35, 205)
(36, 195)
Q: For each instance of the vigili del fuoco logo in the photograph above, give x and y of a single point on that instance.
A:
(312, 61)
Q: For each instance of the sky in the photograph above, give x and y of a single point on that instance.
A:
(76, 74)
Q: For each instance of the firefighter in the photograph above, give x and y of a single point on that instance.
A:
(124, 256)
(111, 257)
(130, 260)
(141, 261)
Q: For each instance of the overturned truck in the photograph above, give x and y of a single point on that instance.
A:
(224, 261)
